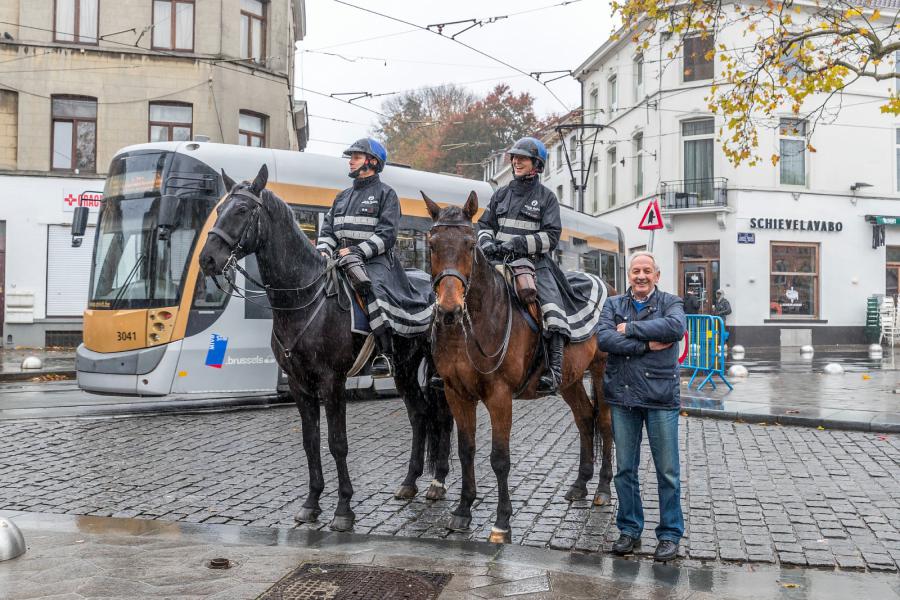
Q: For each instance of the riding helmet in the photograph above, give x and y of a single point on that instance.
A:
(532, 148)
(371, 148)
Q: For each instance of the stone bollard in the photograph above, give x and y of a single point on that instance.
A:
(876, 351)
(738, 372)
(807, 349)
(737, 352)
(12, 542)
(32, 363)
(833, 369)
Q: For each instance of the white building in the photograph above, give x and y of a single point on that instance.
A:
(797, 247)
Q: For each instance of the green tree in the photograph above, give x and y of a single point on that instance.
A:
(792, 55)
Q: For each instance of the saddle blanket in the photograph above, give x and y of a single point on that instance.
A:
(395, 306)
(582, 300)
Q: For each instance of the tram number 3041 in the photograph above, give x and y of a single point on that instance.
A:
(126, 336)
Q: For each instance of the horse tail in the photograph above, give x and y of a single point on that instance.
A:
(437, 420)
(596, 386)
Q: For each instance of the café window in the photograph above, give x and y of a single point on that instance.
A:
(170, 122)
(76, 21)
(173, 25)
(74, 134)
(794, 280)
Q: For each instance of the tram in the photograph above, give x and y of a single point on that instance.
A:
(156, 326)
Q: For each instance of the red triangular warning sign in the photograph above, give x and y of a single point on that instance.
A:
(652, 218)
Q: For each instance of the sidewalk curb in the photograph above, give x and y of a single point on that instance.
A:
(794, 420)
(29, 375)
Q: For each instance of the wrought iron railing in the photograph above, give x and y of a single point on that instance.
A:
(693, 193)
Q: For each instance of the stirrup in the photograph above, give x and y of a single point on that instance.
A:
(547, 388)
(436, 383)
(382, 367)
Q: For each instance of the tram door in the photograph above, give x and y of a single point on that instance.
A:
(698, 271)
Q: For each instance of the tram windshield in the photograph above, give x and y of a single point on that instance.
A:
(137, 263)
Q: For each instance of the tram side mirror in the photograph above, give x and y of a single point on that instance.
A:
(168, 207)
(79, 225)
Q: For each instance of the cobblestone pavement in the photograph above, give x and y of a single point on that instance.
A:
(770, 494)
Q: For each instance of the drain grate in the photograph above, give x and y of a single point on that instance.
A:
(356, 582)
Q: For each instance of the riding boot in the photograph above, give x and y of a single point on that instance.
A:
(551, 380)
(383, 362)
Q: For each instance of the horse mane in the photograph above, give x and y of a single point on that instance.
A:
(280, 210)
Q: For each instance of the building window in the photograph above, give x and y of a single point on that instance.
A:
(794, 282)
(698, 157)
(253, 30)
(573, 149)
(698, 58)
(171, 122)
(897, 152)
(173, 25)
(897, 70)
(559, 156)
(594, 107)
(76, 21)
(595, 192)
(638, 143)
(74, 134)
(611, 190)
(252, 129)
(638, 78)
(892, 273)
(612, 95)
(559, 193)
(572, 197)
(792, 147)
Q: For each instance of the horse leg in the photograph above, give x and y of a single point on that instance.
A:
(440, 445)
(464, 414)
(415, 410)
(577, 399)
(309, 417)
(336, 414)
(499, 405)
(603, 427)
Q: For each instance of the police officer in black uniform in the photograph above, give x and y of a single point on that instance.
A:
(522, 220)
(363, 220)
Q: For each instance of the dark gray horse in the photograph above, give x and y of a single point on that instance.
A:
(313, 344)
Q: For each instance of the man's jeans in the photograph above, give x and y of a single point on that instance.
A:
(662, 432)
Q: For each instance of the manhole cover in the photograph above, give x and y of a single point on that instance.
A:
(355, 582)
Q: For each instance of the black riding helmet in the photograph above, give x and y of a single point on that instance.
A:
(532, 148)
(371, 148)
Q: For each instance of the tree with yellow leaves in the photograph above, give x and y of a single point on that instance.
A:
(797, 55)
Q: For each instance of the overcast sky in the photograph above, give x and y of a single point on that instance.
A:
(560, 37)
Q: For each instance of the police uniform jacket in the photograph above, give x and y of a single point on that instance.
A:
(527, 213)
(366, 219)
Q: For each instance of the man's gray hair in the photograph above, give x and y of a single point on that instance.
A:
(641, 253)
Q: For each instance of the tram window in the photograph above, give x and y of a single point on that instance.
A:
(590, 262)
(411, 250)
(207, 296)
(608, 268)
(308, 220)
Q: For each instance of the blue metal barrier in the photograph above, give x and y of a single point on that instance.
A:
(706, 349)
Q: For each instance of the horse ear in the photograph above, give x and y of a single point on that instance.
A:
(471, 206)
(433, 209)
(259, 184)
(229, 182)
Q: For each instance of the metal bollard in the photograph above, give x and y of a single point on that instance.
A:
(738, 372)
(12, 542)
(32, 363)
(833, 369)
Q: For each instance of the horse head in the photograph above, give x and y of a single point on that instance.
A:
(236, 232)
(453, 249)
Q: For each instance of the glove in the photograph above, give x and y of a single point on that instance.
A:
(491, 250)
(515, 246)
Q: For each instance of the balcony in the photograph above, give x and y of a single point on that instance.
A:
(689, 196)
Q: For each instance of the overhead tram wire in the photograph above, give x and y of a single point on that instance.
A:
(453, 39)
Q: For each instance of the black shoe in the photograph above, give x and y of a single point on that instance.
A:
(666, 550)
(547, 384)
(436, 383)
(382, 366)
(550, 381)
(626, 545)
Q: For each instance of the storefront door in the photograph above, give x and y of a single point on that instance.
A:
(698, 272)
(892, 275)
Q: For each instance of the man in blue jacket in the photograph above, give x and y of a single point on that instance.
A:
(639, 330)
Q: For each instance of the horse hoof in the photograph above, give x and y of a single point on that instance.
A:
(458, 523)
(576, 493)
(436, 491)
(500, 536)
(342, 523)
(308, 515)
(406, 492)
(601, 499)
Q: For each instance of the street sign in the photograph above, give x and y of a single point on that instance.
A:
(652, 218)
(746, 238)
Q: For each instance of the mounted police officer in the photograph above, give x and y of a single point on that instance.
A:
(359, 231)
(522, 221)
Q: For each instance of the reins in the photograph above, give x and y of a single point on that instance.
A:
(466, 325)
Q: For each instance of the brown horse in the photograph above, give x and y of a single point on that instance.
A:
(483, 348)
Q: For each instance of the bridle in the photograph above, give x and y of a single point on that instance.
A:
(467, 327)
(236, 246)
